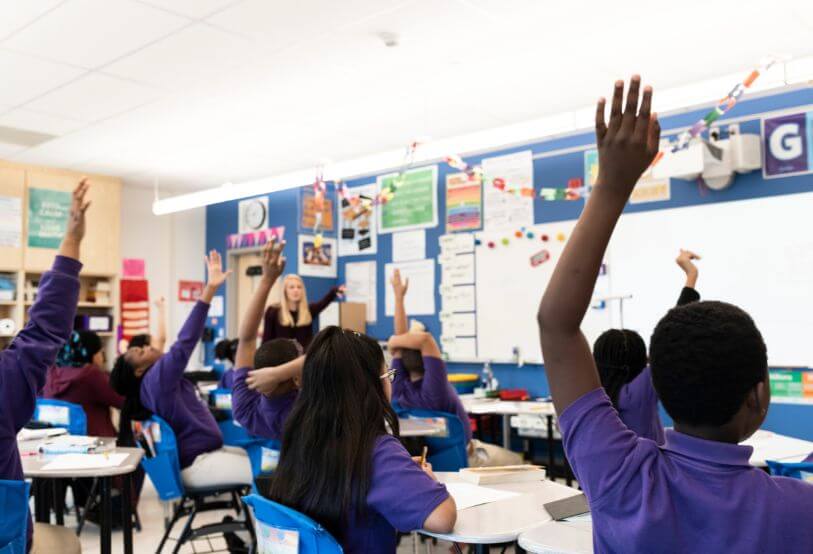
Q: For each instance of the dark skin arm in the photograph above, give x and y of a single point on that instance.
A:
(626, 145)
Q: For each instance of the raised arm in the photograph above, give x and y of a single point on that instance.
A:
(273, 266)
(626, 146)
(159, 339)
(319, 306)
(685, 262)
(25, 362)
(399, 289)
(257, 413)
(422, 341)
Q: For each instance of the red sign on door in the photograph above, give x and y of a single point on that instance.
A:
(189, 291)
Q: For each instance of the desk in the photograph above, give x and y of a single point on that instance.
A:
(773, 446)
(503, 521)
(33, 467)
(411, 427)
(572, 536)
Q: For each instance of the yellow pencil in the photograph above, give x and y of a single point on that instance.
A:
(423, 455)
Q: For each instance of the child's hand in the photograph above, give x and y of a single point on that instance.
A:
(264, 380)
(399, 287)
(214, 270)
(160, 303)
(273, 260)
(629, 143)
(341, 290)
(426, 467)
(684, 260)
(76, 219)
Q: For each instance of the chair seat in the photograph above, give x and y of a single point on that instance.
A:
(216, 489)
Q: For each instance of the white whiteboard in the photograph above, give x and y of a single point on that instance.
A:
(757, 254)
(509, 290)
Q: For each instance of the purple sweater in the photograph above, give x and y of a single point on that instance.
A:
(258, 414)
(431, 392)
(638, 407)
(168, 394)
(24, 364)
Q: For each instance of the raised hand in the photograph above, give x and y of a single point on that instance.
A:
(629, 143)
(161, 303)
(685, 261)
(214, 270)
(75, 231)
(273, 260)
(399, 286)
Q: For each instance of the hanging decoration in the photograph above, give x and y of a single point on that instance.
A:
(388, 193)
(475, 171)
(575, 191)
(319, 191)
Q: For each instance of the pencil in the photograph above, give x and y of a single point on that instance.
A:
(423, 455)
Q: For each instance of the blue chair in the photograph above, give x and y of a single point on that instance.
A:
(58, 413)
(14, 523)
(164, 471)
(264, 456)
(221, 399)
(446, 453)
(279, 526)
(799, 470)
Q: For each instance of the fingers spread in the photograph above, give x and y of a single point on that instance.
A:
(642, 123)
(601, 127)
(631, 111)
(615, 110)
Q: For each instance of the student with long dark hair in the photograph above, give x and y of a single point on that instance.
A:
(339, 463)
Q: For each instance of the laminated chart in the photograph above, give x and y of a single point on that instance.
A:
(458, 299)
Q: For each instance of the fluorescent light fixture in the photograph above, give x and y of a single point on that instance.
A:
(787, 72)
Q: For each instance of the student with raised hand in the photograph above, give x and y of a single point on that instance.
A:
(697, 492)
(339, 463)
(24, 364)
(153, 382)
(685, 261)
(262, 409)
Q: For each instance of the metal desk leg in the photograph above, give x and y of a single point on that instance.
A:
(551, 460)
(127, 512)
(106, 515)
(58, 492)
(506, 431)
(481, 549)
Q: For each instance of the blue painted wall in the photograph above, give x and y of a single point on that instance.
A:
(551, 171)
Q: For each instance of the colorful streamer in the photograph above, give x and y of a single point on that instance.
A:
(574, 191)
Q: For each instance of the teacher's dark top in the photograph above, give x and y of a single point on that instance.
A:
(273, 329)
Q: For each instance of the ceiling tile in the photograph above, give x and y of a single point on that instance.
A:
(191, 8)
(25, 77)
(10, 150)
(93, 97)
(39, 122)
(90, 33)
(196, 54)
(15, 14)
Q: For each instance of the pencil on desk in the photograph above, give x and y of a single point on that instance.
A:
(423, 455)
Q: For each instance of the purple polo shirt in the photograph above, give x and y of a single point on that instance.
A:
(689, 495)
(258, 414)
(638, 407)
(401, 497)
(166, 392)
(24, 364)
(433, 391)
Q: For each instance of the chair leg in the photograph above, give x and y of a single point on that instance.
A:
(187, 528)
(175, 517)
(80, 518)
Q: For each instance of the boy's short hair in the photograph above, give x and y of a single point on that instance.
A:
(140, 340)
(705, 358)
(276, 352)
(412, 360)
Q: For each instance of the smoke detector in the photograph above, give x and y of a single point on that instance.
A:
(390, 40)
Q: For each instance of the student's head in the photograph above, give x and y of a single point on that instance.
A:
(277, 352)
(412, 361)
(82, 348)
(138, 359)
(140, 340)
(125, 379)
(620, 356)
(343, 407)
(294, 298)
(226, 349)
(710, 368)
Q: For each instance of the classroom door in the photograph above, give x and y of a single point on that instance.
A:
(248, 273)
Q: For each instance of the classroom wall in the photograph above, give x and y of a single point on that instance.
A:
(172, 247)
(555, 171)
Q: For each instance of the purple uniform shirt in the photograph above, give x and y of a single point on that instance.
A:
(24, 364)
(638, 407)
(168, 394)
(431, 392)
(401, 497)
(258, 414)
(689, 495)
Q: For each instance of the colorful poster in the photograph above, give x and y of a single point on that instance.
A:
(788, 145)
(357, 222)
(254, 239)
(133, 268)
(308, 213)
(11, 224)
(504, 210)
(792, 385)
(414, 205)
(317, 261)
(48, 212)
(590, 167)
(464, 210)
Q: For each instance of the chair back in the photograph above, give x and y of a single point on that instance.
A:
(14, 523)
(163, 465)
(58, 413)
(448, 452)
(282, 529)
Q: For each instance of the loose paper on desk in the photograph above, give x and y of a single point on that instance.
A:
(421, 297)
(459, 298)
(360, 279)
(65, 462)
(458, 271)
(467, 495)
(458, 325)
(459, 348)
(408, 246)
(504, 209)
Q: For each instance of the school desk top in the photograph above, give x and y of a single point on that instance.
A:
(504, 520)
(573, 536)
(411, 427)
(773, 446)
(505, 407)
(33, 464)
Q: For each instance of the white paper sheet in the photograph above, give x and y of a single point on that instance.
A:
(408, 246)
(216, 307)
(458, 243)
(502, 209)
(73, 440)
(360, 279)
(458, 271)
(34, 434)
(11, 224)
(458, 325)
(329, 316)
(459, 348)
(458, 298)
(420, 300)
(84, 461)
(467, 495)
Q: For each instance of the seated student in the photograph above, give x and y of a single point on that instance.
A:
(697, 492)
(154, 382)
(281, 359)
(23, 365)
(159, 340)
(79, 377)
(340, 465)
(621, 360)
(421, 381)
(224, 353)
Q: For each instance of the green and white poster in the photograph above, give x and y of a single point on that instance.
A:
(48, 212)
(414, 204)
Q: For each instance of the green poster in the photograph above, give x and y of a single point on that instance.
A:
(414, 204)
(786, 383)
(48, 212)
